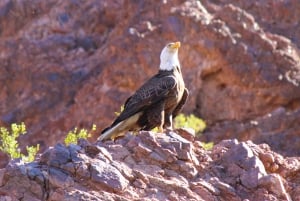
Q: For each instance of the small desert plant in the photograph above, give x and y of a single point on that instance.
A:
(207, 145)
(190, 121)
(74, 135)
(121, 110)
(10, 146)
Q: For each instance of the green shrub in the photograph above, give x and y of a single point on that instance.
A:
(208, 145)
(121, 110)
(10, 146)
(31, 153)
(190, 121)
(74, 135)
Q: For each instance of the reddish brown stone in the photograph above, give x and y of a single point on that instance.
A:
(73, 173)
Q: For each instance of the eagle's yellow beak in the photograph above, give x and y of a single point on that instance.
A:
(176, 45)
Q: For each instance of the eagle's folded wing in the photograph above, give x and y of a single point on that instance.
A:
(153, 91)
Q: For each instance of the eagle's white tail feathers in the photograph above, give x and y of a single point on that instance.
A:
(110, 132)
(120, 128)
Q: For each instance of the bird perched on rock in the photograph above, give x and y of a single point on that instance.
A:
(156, 102)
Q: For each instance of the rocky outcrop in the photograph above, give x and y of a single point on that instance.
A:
(62, 68)
(255, 89)
(280, 129)
(281, 18)
(154, 166)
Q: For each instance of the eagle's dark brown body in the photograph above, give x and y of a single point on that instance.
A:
(155, 104)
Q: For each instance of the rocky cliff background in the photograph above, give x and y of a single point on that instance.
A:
(73, 63)
(67, 64)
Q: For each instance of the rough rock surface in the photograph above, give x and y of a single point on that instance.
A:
(154, 166)
(280, 129)
(62, 69)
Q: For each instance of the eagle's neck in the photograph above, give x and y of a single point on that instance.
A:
(174, 69)
(169, 62)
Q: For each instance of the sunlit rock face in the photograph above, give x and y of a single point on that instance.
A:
(153, 166)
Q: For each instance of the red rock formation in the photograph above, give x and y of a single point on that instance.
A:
(154, 166)
(280, 129)
(73, 63)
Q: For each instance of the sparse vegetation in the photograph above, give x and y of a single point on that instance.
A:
(10, 146)
(208, 145)
(121, 110)
(190, 121)
(74, 135)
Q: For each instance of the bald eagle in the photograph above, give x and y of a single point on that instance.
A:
(156, 102)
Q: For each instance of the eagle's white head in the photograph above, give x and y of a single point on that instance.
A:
(169, 57)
